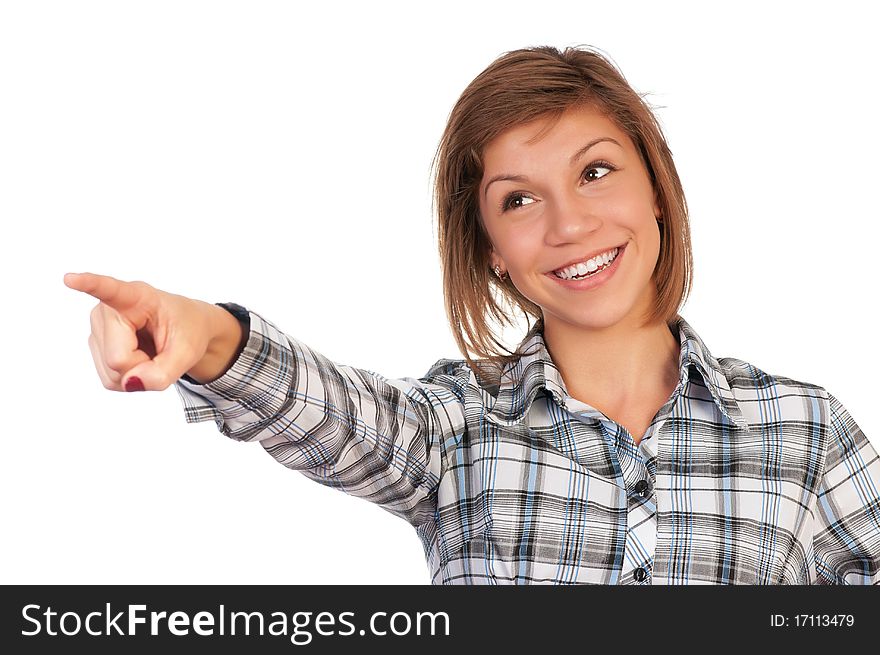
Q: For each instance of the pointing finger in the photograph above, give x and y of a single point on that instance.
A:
(116, 293)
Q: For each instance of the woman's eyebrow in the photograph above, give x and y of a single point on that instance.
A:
(580, 153)
(571, 161)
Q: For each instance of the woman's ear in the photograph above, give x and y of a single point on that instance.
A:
(495, 260)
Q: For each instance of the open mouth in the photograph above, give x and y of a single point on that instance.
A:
(590, 267)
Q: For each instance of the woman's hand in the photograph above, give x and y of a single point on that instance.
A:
(141, 332)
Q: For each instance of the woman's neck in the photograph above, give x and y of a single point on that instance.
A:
(617, 366)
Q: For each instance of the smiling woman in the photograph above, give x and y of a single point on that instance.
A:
(610, 446)
(584, 249)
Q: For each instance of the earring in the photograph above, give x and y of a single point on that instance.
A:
(498, 273)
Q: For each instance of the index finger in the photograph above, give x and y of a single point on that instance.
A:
(115, 293)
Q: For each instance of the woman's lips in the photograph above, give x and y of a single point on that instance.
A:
(594, 280)
(585, 259)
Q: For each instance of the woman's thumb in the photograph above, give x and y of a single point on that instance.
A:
(156, 374)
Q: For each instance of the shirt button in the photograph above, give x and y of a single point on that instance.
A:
(640, 574)
(642, 488)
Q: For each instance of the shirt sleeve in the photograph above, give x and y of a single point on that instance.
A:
(344, 427)
(846, 543)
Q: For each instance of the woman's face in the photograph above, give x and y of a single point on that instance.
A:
(568, 203)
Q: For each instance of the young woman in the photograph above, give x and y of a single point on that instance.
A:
(610, 446)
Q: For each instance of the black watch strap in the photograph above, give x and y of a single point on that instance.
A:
(236, 310)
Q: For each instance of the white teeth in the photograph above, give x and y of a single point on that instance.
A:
(589, 266)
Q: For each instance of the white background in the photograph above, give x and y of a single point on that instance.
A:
(277, 154)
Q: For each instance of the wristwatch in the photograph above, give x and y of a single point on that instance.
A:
(244, 317)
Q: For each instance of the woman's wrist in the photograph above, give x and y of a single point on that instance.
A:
(229, 335)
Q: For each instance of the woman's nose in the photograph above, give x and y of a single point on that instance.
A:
(570, 216)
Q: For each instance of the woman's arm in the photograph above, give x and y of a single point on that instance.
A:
(847, 539)
(344, 427)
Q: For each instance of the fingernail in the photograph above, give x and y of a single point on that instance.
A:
(134, 384)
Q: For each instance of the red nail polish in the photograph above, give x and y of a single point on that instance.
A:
(134, 384)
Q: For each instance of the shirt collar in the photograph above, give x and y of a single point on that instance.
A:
(534, 370)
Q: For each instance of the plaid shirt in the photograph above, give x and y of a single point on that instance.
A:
(742, 477)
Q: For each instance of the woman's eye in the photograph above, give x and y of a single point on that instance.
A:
(512, 201)
(597, 166)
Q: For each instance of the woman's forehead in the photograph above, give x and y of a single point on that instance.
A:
(554, 136)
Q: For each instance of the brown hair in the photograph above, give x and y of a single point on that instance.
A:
(518, 87)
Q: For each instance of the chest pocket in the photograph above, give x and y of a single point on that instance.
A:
(563, 527)
(535, 515)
